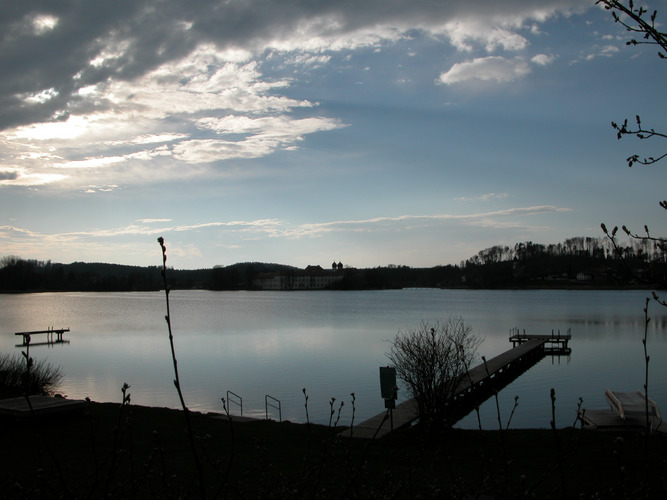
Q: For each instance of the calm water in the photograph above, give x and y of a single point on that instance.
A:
(332, 343)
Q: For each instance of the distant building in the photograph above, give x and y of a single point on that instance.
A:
(311, 278)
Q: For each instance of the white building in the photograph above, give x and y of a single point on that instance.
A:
(312, 278)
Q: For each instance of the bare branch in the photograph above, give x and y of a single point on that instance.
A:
(634, 21)
(647, 29)
(640, 133)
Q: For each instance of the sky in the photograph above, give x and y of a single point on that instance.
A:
(304, 132)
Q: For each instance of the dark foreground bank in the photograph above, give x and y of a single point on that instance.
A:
(129, 451)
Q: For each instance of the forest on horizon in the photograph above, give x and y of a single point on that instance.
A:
(579, 262)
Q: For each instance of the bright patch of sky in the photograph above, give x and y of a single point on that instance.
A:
(410, 133)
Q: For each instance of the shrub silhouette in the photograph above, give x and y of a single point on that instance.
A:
(42, 378)
(431, 360)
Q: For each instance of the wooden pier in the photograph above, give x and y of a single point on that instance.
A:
(555, 343)
(477, 385)
(53, 336)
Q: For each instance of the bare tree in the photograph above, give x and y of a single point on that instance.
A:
(432, 360)
(637, 21)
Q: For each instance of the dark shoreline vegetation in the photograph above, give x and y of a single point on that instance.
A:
(585, 263)
(127, 451)
(42, 378)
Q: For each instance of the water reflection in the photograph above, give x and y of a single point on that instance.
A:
(332, 344)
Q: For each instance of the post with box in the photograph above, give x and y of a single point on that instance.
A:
(389, 390)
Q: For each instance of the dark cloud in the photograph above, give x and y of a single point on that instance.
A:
(8, 176)
(148, 33)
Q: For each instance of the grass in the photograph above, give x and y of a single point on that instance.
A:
(137, 452)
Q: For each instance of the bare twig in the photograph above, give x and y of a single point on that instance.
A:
(647, 358)
(559, 458)
(177, 381)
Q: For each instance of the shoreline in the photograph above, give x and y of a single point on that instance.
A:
(563, 286)
(116, 450)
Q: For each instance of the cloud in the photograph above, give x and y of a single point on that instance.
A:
(542, 59)
(262, 137)
(15, 235)
(274, 227)
(306, 59)
(465, 35)
(484, 197)
(201, 91)
(65, 48)
(151, 139)
(390, 223)
(20, 177)
(493, 68)
(8, 176)
(96, 91)
(91, 162)
(101, 189)
(604, 51)
(279, 127)
(42, 24)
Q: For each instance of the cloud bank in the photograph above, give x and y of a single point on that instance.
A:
(113, 88)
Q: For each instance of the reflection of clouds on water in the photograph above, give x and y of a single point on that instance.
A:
(332, 343)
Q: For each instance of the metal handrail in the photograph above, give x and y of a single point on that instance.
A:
(239, 402)
(272, 405)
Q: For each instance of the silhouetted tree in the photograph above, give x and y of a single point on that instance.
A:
(432, 360)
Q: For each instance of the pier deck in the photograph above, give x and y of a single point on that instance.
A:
(525, 353)
(556, 343)
(53, 336)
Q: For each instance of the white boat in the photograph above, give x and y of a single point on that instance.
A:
(633, 406)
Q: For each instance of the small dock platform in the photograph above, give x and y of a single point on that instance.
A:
(53, 336)
(478, 384)
(555, 343)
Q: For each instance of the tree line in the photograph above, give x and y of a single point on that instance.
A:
(576, 262)
(21, 275)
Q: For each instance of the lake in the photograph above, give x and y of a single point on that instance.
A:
(332, 343)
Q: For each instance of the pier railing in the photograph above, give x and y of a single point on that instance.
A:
(270, 401)
(238, 401)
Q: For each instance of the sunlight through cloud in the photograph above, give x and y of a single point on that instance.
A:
(44, 24)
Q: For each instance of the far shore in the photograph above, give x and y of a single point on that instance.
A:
(536, 286)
